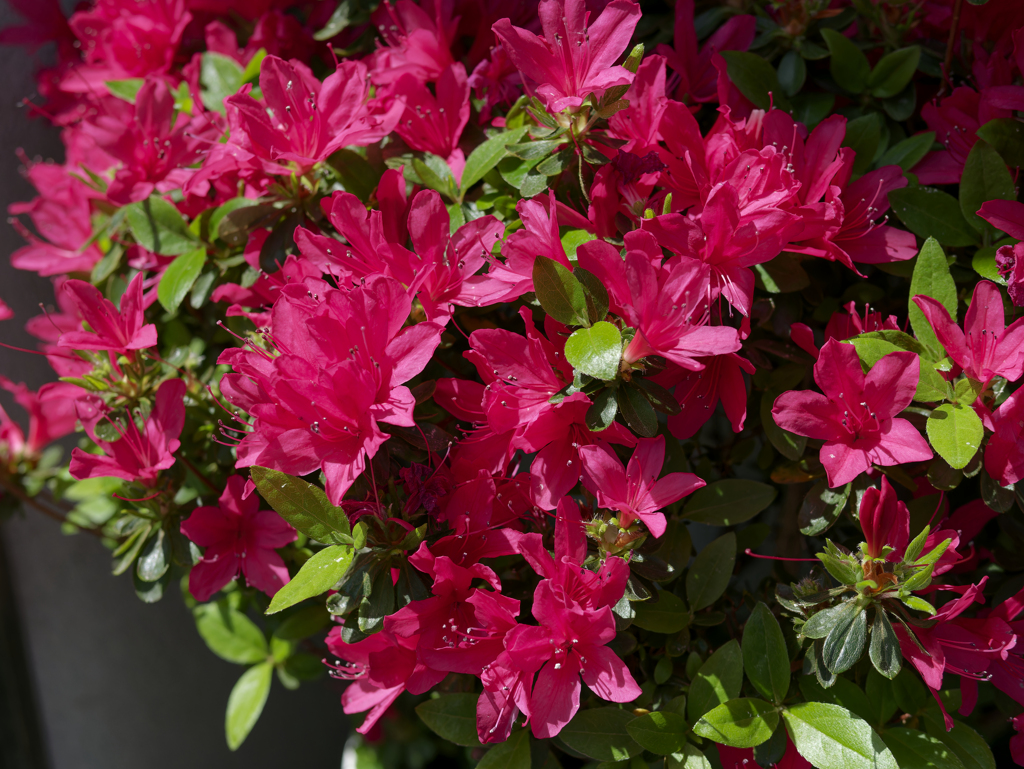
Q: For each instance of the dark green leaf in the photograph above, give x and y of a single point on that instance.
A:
(907, 153)
(220, 76)
(728, 502)
(862, 136)
(790, 445)
(929, 212)
(601, 734)
(559, 293)
(487, 155)
(845, 641)
(595, 351)
(893, 72)
(452, 717)
(885, 646)
(514, 753)
(910, 693)
(155, 558)
(740, 723)
(848, 65)
(1007, 136)
(661, 732)
(821, 508)
(281, 243)
(597, 294)
(556, 163)
(355, 173)
(178, 278)
(662, 400)
(303, 623)
(349, 13)
(955, 432)
(304, 506)
(718, 680)
(970, 747)
(710, 573)
(810, 108)
(666, 615)
(765, 656)
(602, 411)
(843, 692)
(792, 73)
(317, 575)
(637, 410)
(881, 698)
(821, 622)
(378, 599)
(157, 226)
(984, 178)
(831, 737)
(931, 278)
(756, 79)
(901, 106)
(230, 634)
(916, 750)
(245, 704)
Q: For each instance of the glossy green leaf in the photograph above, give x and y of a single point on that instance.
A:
(1007, 136)
(602, 411)
(792, 73)
(885, 646)
(178, 278)
(831, 737)
(931, 278)
(893, 72)
(157, 226)
(718, 680)
(844, 643)
(955, 432)
(230, 634)
(304, 506)
(843, 692)
(821, 508)
(913, 749)
(317, 575)
(765, 656)
(709, 575)
(355, 173)
(689, 757)
(984, 178)
(660, 732)
(970, 747)
(728, 502)
(667, 614)
(155, 558)
(820, 624)
(739, 723)
(637, 410)
(881, 697)
(597, 294)
(452, 717)
(909, 152)
(514, 753)
(220, 76)
(246, 701)
(601, 734)
(931, 213)
(756, 79)
(487, 155)
(595, 351)
(862, 136)
(848, 64)
(559, 293)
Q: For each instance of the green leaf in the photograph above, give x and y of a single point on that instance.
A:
(559, 293)
(230, 634)
(317, 575)
(842, 692)
(862, 136)
(821, 622)
(885, 646)
(955, 433)
(666, 615)
(848, 65)
(728, 502)
(220, 76)
(970, 747)
(601, 734)
(597, 294)
(595, 351)
(355, 173)
(984, 263)
(452, 717)
(718, 680)
(893, 72)
(689, 757)
(792, 73)
(821, 508)
(831, 737)
(602, 411)
(303, 623)
(931, 278)
(155, 558)
(126, 89)
(348, 13)
(844, 643)
(929, 212)
(810, 108)
(740, 723)
(245, 704)
(157, 226)
(765, 656)
(304, 506)
(756, 79)
(1007, 136)
(660, 732)
(916, 750)
(487, 155)
(881, 698)
(984, 178)
(872, 347)
(514, 753)
(637, 410)
(909, 152)
(434, 173)
(709, 575)
(178, 278)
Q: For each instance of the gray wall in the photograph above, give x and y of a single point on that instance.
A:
(119, 684)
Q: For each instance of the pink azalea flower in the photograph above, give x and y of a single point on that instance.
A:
(51, 415)
(301, 121)
(239, 539)
(114, 331)
(433, 123)
(698, 393)
(665, 303)
(569, 642)
(741, 758)
(856, 416)
(573, 58)
(416, 41)
(986, 347)
(1008, 216)
(884, 519)
(343, 358)
(635, 490)
(380, 667)
(1004, 454)
(135, 456)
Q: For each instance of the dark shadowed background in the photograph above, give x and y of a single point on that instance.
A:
(111, 683)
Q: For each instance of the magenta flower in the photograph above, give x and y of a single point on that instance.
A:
(573, 58)
(635, 490)
(1008, 216)
(116, 332)
(239, 539)
(856, 416)
(1004, 454)
(986, 347)
(434, 123)
(698, 393)
(301, 121)
(51, 415)
(416, 42)
(569, 642)
(135, 456)
(884, 519)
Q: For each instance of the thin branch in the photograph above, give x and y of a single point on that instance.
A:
(947, 65)
(36, 505)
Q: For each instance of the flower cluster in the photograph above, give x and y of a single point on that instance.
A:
(404, 328)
